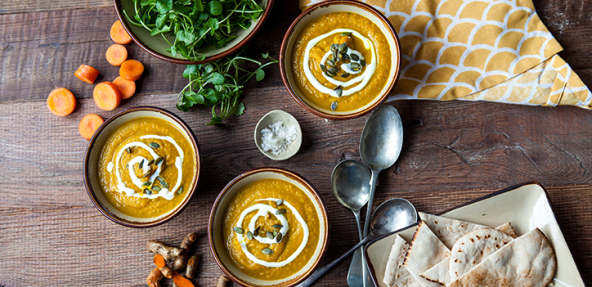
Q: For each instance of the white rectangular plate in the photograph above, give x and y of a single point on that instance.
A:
(526, 207)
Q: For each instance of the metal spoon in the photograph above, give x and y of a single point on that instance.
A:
(390, 216)
(351, 186)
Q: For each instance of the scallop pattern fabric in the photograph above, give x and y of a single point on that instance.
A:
(478, 50)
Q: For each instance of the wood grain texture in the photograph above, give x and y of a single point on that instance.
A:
(18, 6)
(52, 235)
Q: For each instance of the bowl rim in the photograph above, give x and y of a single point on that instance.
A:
(258, 129)
(91, 144)
(283, 67)
(232, 50)
(288, 173)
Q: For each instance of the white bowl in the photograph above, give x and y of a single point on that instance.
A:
(289, 121)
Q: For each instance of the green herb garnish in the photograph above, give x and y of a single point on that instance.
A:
(193, 24)
(220, 83)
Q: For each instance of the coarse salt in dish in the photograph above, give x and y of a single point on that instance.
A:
(277, 137)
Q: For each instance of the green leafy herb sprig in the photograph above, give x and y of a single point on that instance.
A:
(195, 23)
(220, 83)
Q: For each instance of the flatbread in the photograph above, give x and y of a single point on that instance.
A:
(426, 250)
(447, 229)
(440, 273)
(528, 260)
(473, 248)
(508, 229)
(395, 275)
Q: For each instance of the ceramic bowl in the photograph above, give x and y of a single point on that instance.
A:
(289, 121)
(217, 219)
(156, 45)
(316, 11)
(91, 160)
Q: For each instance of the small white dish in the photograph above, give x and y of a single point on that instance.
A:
(288, 120)
(526, 206)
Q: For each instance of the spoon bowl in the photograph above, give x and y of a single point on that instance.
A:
(382, 138)
(350, 181)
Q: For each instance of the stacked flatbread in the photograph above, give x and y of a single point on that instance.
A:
(449, 252)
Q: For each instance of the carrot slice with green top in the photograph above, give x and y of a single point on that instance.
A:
(107, 96)
(86, 74)
(119, 35)
(131, 70)
(116, 54)
(61, 102)
(89, 124)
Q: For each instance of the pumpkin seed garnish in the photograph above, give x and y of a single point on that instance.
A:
(333, 70)
(344, 75)
(238, 230)
(275, 233)
(269, 235)
(141, 164)
(355, 66)
(278, 238)
(148, 191)
(127, 166)
(150, 162)
(346, 33)
(342, 47)
(180, 190)
(156, 188)
(335, 53)
(128, 149)
(266, 251)
(346, 57)
(164, 184)
(277, 226)
(323, 68)
(145, 183)
(363, 63)
(280, 211)
(279, 202)
(338, 91)
(340, 58)
(256, 231)
(330, 74)
(354, 57)
(154, 145)
(333, 106)
(160, 178)
(158, 160)
(330, 63)
(146, 174)
(333, 47)
(250, 235)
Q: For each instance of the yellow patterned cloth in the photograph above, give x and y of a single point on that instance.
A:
(479, 50)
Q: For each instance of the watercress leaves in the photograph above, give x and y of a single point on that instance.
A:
(219, 84)
(215, 8)
(163, 6)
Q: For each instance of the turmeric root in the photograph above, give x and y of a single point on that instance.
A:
(153, 279)
(181, 261)
(192, 266)
(223, 281)
(181, 281)
(162, 266)
(168, 252)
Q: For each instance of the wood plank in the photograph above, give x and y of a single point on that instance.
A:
(19, 6)
(453, 152)
(44, 51)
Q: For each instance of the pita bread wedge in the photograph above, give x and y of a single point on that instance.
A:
(426, 250)
(528, 260)
(473, 248)
(508, 229)
(440, 273)
(447, 229)
(395, 275)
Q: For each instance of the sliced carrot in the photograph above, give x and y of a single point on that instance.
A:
(119, 35)
(61, 102)
(127, 88)
(131, 70)
(107, 96)
(86, 74)
(89, 124)
(116, 54)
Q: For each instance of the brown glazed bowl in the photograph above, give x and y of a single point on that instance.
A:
(319, 10)
(91, 160)
(156, 45)
(215, 223)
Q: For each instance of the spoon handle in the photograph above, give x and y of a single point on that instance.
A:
(322, 270)
(373, 183)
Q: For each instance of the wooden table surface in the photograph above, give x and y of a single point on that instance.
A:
(52, 235)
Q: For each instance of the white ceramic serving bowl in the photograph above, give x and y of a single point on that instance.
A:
(93, 152)
(289, 121)
(216, 222)
(316, 11)
(156, 45)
